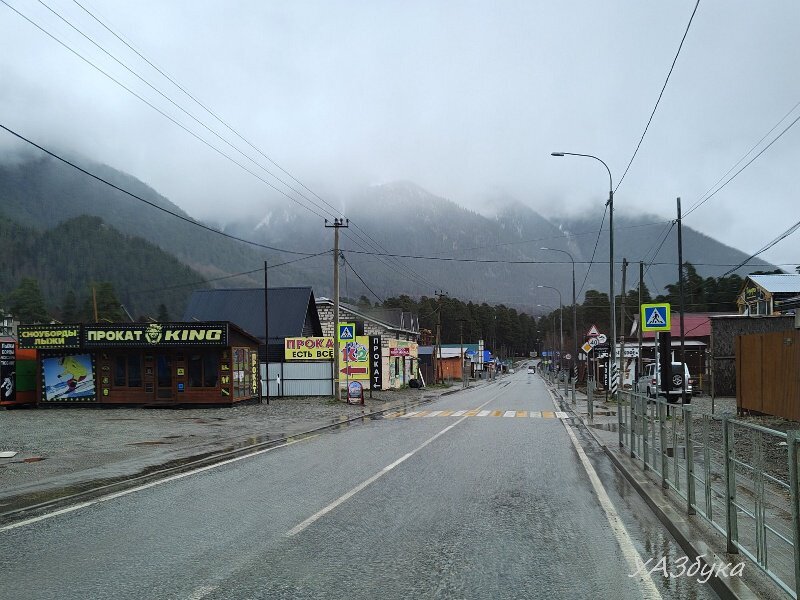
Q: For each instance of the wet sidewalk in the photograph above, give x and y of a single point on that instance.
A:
(63, 451)
(695, 535)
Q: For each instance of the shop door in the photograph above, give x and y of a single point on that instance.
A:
(164, 387)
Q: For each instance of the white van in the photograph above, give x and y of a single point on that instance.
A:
(648, 382)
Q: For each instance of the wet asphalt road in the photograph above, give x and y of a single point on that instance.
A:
(406, 507)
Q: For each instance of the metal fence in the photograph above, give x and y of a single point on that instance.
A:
(299, 378)
(742, 478)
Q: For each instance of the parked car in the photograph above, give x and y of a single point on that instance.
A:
(648, 382)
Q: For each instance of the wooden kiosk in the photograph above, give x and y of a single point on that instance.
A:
(151, 364)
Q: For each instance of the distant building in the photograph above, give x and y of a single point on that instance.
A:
(762, 294)
(292, 313)
(399, 331)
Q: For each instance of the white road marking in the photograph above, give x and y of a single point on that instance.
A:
(201, 592)
(145, 486)
(345, 497)
(412, 413)
(435, 413)
(631, 555)
(483, 413)
(510, 413)
(562, 415)
(536, 414)
(458, 413)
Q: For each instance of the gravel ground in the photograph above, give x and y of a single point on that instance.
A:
(59, 448)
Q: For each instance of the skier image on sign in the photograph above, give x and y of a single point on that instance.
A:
(68, 377)
(70, 365)
(7, 386)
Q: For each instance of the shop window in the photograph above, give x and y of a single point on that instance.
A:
(195, 370)
(241, 372)
(120, 371)
(164, 370)
(127, 370)
(134, 370)
(210, 369)
(203, 370)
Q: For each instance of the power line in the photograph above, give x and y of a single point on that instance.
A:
(782, 236)
(658, 101)
(165, 115)
(148, 202)
(738, 162)
(364, 283)
(747, 164)
(597, 241)
(231, 276)
(335, 212)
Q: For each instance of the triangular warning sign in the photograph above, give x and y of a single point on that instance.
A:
(593, 331)
(656, 319)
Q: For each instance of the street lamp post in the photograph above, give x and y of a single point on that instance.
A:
(553, 349)
(574, 312)
(613, 311)
(561, 323)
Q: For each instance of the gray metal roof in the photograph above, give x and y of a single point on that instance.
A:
(391, 318)
(778, 284)
(288, 310)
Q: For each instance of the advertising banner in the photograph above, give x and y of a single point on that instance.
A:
(308, 348)
(8, 371)
(354, 358)
(399, 351)
(375, 362)
(49, 337)
(68, 378)
(155, 334)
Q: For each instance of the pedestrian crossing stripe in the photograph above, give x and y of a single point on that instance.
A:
(526, 414)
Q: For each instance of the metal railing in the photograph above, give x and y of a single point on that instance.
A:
(742, 478)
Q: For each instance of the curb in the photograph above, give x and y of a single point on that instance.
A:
(206, 460)
(727, 588)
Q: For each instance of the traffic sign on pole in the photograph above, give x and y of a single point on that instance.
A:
(656, 317)
(593, 331)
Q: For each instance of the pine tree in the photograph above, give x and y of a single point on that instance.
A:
(163, 313)
(26, 302)
(69, 309)
(108, 305)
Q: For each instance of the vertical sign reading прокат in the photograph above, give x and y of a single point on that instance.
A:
(375, 362)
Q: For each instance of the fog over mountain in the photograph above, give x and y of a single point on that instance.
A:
(402, 240)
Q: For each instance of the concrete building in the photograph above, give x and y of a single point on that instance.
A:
(399, 331)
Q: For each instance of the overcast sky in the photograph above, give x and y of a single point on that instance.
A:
(467, 99)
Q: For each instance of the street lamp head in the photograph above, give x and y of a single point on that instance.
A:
(556, 154)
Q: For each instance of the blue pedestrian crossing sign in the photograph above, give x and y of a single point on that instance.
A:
(347, 332)
(656, 317)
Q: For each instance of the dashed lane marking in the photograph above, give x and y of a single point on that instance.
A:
(533, 414)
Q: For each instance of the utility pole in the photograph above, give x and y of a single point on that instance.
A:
(266, 332)
(680, 287)
(639, 363)
(622, 325)
(94, 302)
(439, 376)
(336, 226)
(463, 358)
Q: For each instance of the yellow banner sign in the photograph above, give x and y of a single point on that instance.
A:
(354, 358)
(308, 348)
